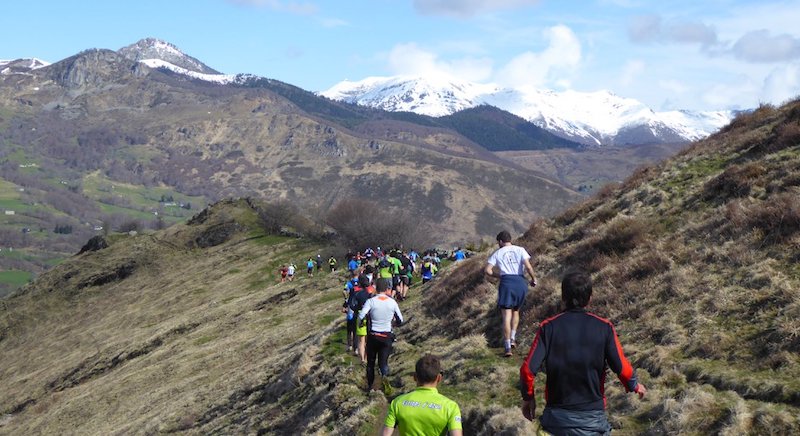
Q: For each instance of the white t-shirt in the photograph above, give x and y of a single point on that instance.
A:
(510, 259)
(381, 310)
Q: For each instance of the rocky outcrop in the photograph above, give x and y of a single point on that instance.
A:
(95, 67)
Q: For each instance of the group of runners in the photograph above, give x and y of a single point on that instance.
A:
(574, 348)
(377, 281)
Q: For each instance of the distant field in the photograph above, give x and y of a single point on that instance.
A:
(15, 278)
(97, 187)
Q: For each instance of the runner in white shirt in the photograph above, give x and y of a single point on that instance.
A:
(510, 263)
(382, 310)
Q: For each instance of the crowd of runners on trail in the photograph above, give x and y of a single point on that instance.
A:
(575, 347)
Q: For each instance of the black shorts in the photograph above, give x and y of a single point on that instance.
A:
(395, 282)
(404, 280)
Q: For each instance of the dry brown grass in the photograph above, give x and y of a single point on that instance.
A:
(736, 181)
(777, 220)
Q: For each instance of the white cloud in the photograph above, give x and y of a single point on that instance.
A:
(467, 8)
(761, 46)
(411, 60)
(295, 7)
(740, 94)
(553, 65)
(782, 84)
(631, 71)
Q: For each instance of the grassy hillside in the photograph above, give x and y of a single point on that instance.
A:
(696, 261)
(187, 330)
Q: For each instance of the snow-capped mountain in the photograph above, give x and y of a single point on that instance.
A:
(151, 49)
(596, 118)
(21, 65)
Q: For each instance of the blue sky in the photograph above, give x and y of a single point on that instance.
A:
(702, 55)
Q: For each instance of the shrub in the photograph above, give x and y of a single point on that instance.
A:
(778, 218)
(752, 119)
(736, 181)
(130, 226)
(786, 135)
(620, 236)
(362, 223)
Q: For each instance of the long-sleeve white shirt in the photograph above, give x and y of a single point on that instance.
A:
(381, 310)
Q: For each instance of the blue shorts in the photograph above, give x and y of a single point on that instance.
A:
(512, 291)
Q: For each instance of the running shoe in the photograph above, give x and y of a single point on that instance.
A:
(508, 351)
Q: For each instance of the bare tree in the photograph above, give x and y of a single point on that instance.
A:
(361, 223)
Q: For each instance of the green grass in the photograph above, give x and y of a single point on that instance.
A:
(95, 186)
(327, 319)
(15, 278)
(698, 168)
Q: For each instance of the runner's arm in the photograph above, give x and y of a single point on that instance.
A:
(529, 268)
(364, 310)
(398, 314)
(388, 431)
(454, 432)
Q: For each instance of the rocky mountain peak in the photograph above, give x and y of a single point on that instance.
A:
(153, 48)
(91, 67)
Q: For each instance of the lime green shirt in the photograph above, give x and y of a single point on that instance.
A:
(396, 264)
(423, 411)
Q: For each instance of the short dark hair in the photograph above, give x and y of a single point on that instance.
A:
(427, 368)
(504, 236)
(576, 289)
(363, 281)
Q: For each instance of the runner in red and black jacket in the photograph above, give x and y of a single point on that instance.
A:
(575, 348)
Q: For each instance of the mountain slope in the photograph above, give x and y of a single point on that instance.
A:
(100, 115)
(589, 118)
(695, 260)
(187, 329)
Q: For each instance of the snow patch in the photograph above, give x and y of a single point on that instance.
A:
(223, 79)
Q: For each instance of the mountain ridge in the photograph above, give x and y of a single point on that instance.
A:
(594, 118)
(189, 329)
(76, 128)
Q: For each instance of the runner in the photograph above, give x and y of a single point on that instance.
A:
(363, 292)
(284, 271)
(406, 269)
(382, 310)
(310, 267)
(369, 271)
(575, 347)
(347, 292)
(393, 258)
(424, 411)
(352, 263)
(319, 262)
(510, 262)
(428, 270)
(332, 264)
(290, 271)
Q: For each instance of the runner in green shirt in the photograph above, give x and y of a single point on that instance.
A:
(424, 411)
